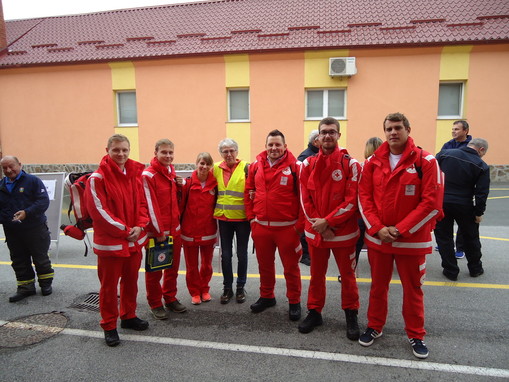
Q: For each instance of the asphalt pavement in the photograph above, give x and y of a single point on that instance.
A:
(47, 339)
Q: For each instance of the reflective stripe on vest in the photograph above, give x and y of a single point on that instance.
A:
(231, 193)
(275, 224)
(230, 199)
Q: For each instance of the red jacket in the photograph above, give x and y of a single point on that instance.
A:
(329, 190)
(161, 194)
(276, 192)
(400, 198)
(116, 204)
(197, 207)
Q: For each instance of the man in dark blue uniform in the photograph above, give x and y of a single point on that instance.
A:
(460, 138)
(467, 183)
(23, 202)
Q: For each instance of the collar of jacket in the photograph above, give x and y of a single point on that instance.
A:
(168, 172)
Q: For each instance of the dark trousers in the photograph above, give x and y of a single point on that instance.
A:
(465, 218)
(27, 246)
(242, 230)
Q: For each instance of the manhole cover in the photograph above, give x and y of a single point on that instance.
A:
(88, 302)
(31, 329)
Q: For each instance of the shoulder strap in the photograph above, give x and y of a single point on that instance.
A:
(418, 167)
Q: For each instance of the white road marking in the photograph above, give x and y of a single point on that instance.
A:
(336, 357)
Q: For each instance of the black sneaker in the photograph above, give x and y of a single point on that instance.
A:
(368, 337)
(261, 304)
(419, 348)
(312, 319)
(134, 323)
(477, 273)
(226, 296)
(240, 295)
(111, 337)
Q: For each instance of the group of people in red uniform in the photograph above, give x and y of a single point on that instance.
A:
(276, 198)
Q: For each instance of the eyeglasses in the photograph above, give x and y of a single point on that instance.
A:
(328, 132)
(226, 152)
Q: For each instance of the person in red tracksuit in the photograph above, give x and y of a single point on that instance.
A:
(114, 199)
(160, 183)
(199, 228)
(272, 206)
(398, 201)
(329, 198)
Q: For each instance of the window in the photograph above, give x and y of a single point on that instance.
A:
(325, 103)
(126, 109)
(238, 105)
(450, 100)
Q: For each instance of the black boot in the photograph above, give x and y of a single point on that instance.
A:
(111, 337)
(312, 319)
(45, 285)
(22, 292)
(352, 326)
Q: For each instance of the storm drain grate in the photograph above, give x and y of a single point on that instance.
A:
(89, 302)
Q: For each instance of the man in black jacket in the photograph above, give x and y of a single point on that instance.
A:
(467, 182)
(23, 202)
(312, 149)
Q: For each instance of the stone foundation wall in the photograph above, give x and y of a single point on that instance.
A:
(498, 173)
(74, 167)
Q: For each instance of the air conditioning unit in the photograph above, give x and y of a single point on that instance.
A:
(342, 66)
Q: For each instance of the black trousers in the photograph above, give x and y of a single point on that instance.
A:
(27, 246)
(465, 218)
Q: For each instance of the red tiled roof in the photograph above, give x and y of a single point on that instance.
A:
(239, 26)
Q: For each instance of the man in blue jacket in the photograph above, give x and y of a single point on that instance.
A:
(23, 202)
(467, 183)
(460, 137)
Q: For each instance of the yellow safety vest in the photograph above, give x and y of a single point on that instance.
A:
(230, 200)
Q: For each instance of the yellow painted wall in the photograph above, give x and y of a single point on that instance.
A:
(454, 66)
(237, 75)
(316, 75)
(123, 77)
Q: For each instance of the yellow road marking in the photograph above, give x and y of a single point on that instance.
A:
(304, 277)
(498, 197)
(493, 238)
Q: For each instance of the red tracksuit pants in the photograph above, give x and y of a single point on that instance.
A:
(287, 241)
(198, 276)
(345, 260)
(168, 290)
(110, 271)
(412, 271)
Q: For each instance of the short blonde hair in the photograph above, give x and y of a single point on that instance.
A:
(164, 141)
(118, 138)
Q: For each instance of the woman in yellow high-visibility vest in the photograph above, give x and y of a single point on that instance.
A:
(230, 212)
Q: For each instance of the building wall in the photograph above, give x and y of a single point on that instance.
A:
(64, 114)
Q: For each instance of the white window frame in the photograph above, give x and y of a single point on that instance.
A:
(325, 100)
(462, 100)
(117, 98)
(233, 90)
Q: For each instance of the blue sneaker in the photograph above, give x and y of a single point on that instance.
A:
(419, 348)
(460, 254)
(368, 337)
